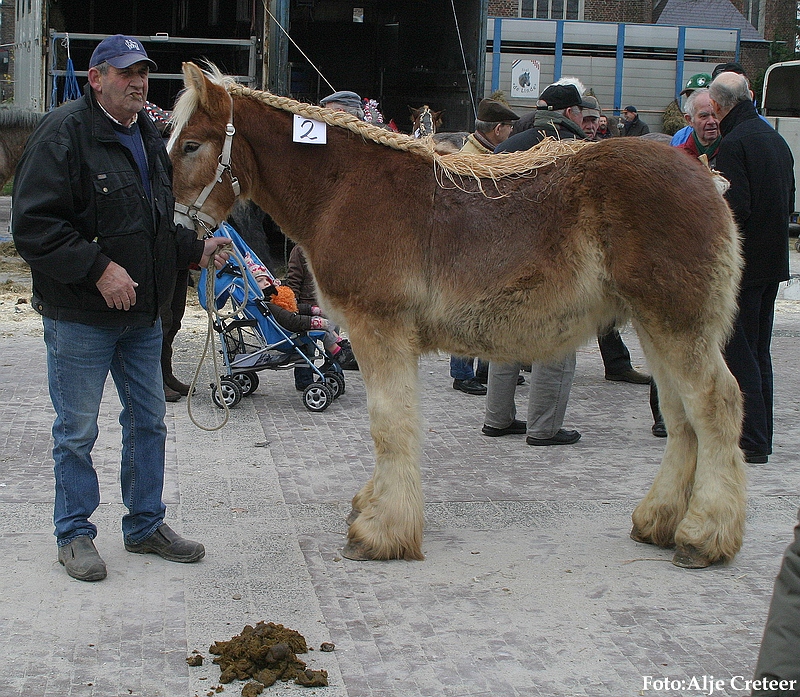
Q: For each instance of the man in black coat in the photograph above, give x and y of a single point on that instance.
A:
(757, 162)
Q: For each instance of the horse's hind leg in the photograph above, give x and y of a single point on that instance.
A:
(698, 497)
(656, 518)
(387, 518)
(713, 527)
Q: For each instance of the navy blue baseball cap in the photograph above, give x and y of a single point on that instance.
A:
(120, 51)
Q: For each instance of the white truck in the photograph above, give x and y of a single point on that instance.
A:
(780, 105)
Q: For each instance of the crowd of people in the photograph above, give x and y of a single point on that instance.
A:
(93, 218)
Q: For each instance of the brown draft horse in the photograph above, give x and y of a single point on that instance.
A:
(390, 233)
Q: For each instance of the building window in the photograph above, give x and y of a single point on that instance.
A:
(551, 9)
(751, 10)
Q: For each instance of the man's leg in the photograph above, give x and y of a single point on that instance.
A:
(137, 375)
(617, 359)
(171, 315)
(463, 375)
(741, 355)
(502, 384)
(547, 404)
(78, 361)
(764, 352)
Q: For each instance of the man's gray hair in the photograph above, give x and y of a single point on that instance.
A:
(729, 89)
(485, 126)
(689, 108)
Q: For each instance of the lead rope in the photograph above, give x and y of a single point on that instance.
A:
(211, 313)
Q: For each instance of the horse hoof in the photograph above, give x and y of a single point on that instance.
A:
(637, 536)
(356, 552)
(689, 557)
(353, 516)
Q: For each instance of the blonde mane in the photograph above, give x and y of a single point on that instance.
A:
(474, 166)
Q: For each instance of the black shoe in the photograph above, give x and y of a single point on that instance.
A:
(81, 560)
(169, 545)
(659, 429)
(632, 376)
(753, 457)
(171, 395)
(515, 428)
(471, 386)
(346, 359)
(563, 437)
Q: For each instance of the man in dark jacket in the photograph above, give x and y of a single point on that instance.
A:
(633, 125)
(93, 217)
(558, 115)
(757, 162)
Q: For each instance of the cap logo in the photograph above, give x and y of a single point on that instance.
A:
(132, 45)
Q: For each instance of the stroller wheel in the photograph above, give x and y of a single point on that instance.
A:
(247, 381)
(336, 382)
(317, 396)
(229, 391)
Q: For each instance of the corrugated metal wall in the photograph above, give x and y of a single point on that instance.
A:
(639, 64)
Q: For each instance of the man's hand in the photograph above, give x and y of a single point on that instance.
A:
(117, 287)
(211, 246)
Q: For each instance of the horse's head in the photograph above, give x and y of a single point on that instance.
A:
(425, 120)
(204, 178)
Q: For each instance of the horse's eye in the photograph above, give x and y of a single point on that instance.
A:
(190, 146)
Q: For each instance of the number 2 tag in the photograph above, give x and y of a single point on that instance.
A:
(307, 130)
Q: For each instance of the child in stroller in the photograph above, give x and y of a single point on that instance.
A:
(268, 331)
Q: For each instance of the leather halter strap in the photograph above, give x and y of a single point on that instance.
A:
(193, 211)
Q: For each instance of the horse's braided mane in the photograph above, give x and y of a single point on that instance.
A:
(17, 117)
(451, 166)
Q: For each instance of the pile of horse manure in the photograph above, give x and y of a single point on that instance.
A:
(265, 654)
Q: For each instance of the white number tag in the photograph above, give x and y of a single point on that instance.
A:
(309, 131)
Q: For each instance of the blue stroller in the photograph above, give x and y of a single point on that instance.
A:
(251, 340)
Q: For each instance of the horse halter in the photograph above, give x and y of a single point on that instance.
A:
(193, 212)
(426, 127)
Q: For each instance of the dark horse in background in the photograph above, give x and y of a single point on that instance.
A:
(16, 125)
(565, 252)
(426, 124)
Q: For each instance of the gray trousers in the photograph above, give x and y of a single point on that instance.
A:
(779, 657)
(547, 402)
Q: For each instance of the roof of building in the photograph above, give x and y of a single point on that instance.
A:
(708, 13)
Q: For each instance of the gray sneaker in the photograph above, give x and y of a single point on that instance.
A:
(169, 545)
(81, 560)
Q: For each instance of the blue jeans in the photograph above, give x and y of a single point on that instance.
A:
(79, 357)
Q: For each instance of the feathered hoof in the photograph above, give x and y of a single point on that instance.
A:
(357, 551)
(638, 536)
(689, 557)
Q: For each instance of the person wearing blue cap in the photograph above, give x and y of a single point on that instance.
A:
(93, 217)
(633, 125)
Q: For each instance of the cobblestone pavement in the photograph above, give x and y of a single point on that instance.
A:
(531, 585)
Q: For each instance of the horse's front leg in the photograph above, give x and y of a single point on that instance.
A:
(387, 517)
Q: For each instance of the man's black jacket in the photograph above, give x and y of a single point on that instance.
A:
(79, 203)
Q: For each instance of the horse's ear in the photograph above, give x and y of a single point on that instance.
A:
(414, 111)
(194, 80)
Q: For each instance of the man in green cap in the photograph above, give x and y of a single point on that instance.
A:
(695, 82)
